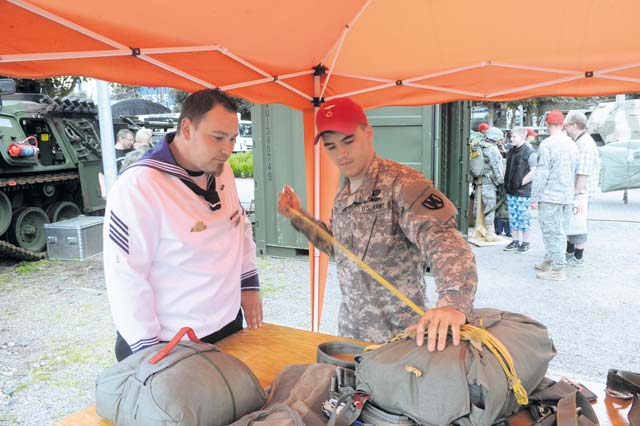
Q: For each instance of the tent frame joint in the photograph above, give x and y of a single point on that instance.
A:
(399, 83)
(588, 74)
(135, 51)
(319, 70)
(317, 101)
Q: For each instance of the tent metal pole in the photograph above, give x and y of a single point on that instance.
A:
(176, 71)
(32, 57)
(532, 68)
(535, 86)
(617, 77)
(315, 325)
(106, 135)
(443, 89)
(75, 27)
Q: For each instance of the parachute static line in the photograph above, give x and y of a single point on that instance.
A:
(477, 336)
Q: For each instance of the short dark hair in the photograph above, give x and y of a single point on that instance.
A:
(199, 103)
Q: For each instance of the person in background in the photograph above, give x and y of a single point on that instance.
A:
(396, 221)
(124, 145)
(552, 194)
(483, 127)
(141, 145)
(492, 179)
(178, 248)
(531, 137)
(521, 165)
(587, 177)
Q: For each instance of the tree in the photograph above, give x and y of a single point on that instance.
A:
(122, 91)
(52, 86)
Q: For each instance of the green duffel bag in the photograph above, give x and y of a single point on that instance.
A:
(181, 383)
(462, 385)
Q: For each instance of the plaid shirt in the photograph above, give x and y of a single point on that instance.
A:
(588, 163)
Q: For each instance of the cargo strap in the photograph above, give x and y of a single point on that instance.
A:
(476, 335)
(327, 350)
(627, 385)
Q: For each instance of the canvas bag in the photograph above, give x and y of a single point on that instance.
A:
(461, 385)
(578, 219)
(190, 384)
(296, 396)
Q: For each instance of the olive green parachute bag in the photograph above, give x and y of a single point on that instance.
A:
(463, 385)
(182, 383)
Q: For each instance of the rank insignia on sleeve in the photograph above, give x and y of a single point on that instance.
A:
(199, 226)
(433, 202)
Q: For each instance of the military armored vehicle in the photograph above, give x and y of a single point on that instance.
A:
(615, 122)
(50, 158)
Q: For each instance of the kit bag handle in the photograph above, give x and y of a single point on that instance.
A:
(172, 344)
(327, 351)
(626, 383)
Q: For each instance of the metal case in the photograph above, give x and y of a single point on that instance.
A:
(74, 239)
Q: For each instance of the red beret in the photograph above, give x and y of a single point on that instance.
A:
(531, 132)
(555, 117)
(483, 126)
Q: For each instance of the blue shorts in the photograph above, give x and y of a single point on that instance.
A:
(519, 213)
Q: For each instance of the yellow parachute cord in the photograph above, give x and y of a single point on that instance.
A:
(476, 335)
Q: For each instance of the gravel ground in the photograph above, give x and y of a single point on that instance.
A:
(56, 333)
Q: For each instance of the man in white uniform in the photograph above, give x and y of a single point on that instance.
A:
(178, 248)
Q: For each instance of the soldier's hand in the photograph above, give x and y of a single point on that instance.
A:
(252, 308)
(288, 201)
(438, 321)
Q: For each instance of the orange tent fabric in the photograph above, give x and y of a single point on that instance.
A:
(380, 52)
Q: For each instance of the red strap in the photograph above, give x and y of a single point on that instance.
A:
(172, 344)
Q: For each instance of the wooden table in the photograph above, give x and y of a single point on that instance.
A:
(268, 349)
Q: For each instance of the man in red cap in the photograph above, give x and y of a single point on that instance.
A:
(552, 195)
(531, 136)
(396, 221)
(483, 127)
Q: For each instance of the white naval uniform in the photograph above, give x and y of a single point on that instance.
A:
(171, 261)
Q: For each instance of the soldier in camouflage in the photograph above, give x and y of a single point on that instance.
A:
(492, 178)
(395, 220)
(552, 194)
(141, 145)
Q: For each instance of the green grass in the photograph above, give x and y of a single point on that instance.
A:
(242, 164)
(79, 356)
(31, 267)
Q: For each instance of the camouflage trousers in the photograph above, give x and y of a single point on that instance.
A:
(554, 219)
(489, 200)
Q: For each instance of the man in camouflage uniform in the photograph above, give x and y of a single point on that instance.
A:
(395, 220)
(552, 194)
(492, 178)
(141, 145)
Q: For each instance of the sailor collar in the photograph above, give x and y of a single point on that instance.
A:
(161, 158)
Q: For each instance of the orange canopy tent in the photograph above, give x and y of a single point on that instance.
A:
(299, 52)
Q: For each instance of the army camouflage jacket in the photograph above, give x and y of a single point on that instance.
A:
(397, 223)
(555, 175)
(494, 165)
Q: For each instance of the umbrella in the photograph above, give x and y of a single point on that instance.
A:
(299, 52)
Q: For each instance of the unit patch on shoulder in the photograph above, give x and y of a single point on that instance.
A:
(199, 226)
(433, 202)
